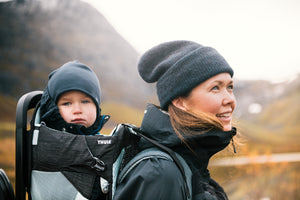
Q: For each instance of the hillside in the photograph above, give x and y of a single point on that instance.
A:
(275, 128)
(39, 36)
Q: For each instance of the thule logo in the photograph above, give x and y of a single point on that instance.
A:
(104, 141)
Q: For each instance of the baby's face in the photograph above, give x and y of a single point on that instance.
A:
(77, 108)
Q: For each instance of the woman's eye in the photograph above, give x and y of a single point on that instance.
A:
(215, 88)
(230, 87)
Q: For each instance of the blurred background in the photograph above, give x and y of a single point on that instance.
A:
(259, 39)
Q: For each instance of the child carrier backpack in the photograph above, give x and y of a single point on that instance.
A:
(110, 157)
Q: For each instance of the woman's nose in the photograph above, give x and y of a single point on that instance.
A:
(229, 98)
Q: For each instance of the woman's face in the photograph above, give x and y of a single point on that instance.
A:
(214, 96)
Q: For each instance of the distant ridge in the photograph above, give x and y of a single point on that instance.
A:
(39, 36)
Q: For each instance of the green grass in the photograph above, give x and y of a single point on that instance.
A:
(255, 182)
(121, 113)
(7, 149)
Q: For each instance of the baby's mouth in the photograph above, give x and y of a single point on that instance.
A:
(78, 121)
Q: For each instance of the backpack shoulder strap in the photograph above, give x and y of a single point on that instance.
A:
(171, 153)
(143, 155)
(155, 152)
(188, 175)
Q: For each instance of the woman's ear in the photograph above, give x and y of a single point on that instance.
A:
(179, 102)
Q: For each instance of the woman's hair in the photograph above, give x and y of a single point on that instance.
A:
(188, 123)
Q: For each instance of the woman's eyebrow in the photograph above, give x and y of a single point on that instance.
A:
(221, 82)
(217, 81)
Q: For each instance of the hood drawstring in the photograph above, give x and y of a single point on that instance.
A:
(232, 142)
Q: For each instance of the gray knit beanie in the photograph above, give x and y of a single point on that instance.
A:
(74, 76)
(178, 67)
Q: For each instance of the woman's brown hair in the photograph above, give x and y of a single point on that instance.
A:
(186, 123)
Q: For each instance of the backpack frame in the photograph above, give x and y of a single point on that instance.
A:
(23, 143)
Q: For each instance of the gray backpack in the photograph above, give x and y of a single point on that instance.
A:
(117, 154)
(110, 157)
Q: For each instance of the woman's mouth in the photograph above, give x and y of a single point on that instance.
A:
(224, 116)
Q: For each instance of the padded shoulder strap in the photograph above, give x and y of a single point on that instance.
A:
(155, 152)
(170, 152)
(143, 155)
(188, 175)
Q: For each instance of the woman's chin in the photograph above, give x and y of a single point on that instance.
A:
(227, 127)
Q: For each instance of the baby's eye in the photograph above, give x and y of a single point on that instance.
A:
(66, 103)
(86, 101)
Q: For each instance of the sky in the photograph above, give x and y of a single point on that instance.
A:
(260, 39)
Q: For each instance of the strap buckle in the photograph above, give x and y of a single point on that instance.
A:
(99, 165)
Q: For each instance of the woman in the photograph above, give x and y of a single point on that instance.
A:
(195, 90)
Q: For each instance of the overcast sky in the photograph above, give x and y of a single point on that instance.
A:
(259, 38)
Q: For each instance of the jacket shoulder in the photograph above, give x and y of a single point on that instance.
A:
(152, 177)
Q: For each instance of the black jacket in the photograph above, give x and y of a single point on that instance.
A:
(161, 179)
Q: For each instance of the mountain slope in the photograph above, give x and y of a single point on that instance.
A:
(40, 36)
(276, 127)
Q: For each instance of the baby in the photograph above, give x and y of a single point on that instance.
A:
(70, 103)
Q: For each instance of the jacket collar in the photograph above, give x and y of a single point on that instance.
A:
(156, 125)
